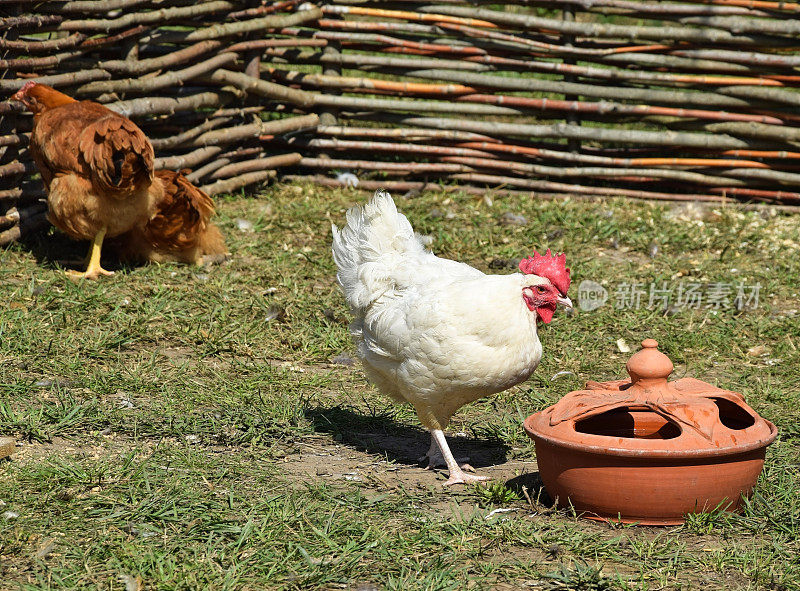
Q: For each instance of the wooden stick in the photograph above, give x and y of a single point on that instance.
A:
(268, 163)
(244, 180)
(331, 163)
(160, 17)
(560, 130)
(595, 30)
(21, 216)
(243, 27)
(405, 15)
(43, 46)
(56, 80)
(165, 61)
(168, 105)
(177, 140)
(223, 160)
(96, 6)
(263, 88)
(30, 226)
(409, 134)
(169, 79)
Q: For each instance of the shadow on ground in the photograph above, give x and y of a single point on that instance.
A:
(531, 483)
(53, 249)
(380, 434)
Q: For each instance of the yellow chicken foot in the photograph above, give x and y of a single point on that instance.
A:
(93, 268)
(457, 475)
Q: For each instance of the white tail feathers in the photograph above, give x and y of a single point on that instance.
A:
(369, 249)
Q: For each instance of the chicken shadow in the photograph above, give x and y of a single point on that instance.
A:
(380, 434)
(53, 250)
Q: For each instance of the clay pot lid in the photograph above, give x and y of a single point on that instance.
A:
(705, 420)
(649, 363)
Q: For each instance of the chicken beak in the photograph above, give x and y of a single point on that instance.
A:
(566, 302)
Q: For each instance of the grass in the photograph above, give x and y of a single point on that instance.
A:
(206, 428)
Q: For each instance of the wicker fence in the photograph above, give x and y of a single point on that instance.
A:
(685, 101)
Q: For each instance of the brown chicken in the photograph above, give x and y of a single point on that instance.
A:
(179, 228)
(97, 167)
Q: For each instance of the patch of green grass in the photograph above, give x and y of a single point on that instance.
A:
(204, 428)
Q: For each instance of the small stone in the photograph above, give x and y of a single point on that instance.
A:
(7, 445)
(348, 179)
(131, 582)
(499, 263)
(343, 359)
(653, 250)
(10, 515)
(45, 549)
(275, 313)
(436, 213)
(244, 225)
(513, 219)
(562, 374)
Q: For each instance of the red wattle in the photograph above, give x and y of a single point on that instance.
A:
(545, 314)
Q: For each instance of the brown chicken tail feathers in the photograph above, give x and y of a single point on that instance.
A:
(182, 214)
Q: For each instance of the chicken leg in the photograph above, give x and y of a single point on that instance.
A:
(93, 267)
(457, 475)
(435, 458)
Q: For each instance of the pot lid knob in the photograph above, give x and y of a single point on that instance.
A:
(649, 363)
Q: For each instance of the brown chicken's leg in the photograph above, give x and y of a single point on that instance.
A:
(457, 475)
(93, 268)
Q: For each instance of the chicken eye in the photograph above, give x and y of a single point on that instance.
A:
(540, 289)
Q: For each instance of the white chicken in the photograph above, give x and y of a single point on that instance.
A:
(434, 332)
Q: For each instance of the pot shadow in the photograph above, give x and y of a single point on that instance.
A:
(380, 434)
(531, 483)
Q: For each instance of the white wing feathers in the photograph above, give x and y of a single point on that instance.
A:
(378, 251)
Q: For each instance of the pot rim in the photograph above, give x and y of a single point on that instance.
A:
(605, 450)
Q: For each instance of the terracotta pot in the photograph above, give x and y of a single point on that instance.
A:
(647, 450)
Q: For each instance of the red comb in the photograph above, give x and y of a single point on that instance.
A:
(549, 266)
(24, 90)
